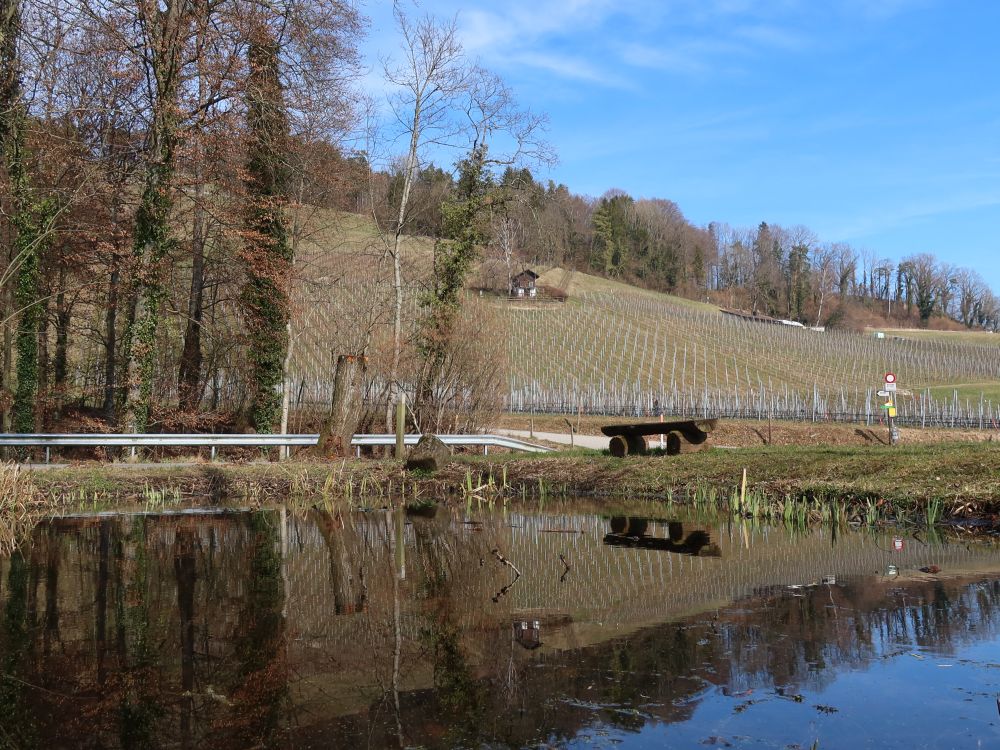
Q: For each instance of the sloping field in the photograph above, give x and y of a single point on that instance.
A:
(953, 337)
(615, 350)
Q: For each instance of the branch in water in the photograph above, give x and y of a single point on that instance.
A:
(505, 561)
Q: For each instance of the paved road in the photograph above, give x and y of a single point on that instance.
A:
(597, 442)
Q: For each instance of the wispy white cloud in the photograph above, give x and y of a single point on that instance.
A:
(597, 41)
(682, 37)
(893, 217)
(772, 37)
(572, 67)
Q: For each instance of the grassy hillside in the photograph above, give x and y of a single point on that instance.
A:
(616, 348)
(961, 337)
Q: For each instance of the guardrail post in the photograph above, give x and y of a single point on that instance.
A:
(47, 449)
(212, 454)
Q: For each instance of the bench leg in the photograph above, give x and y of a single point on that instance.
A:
(673, 444)
(618, 447)
(636, 445)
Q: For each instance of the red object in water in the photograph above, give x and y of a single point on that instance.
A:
(930, 569)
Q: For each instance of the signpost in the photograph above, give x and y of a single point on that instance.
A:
(889, 393)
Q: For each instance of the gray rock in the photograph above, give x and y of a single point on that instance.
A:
(429, 454)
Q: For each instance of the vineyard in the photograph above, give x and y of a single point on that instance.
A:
(635, 354)
(618, 350)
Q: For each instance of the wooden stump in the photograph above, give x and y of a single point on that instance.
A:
(618, 447)
(627, 445)
(338, 427)
(673, 443)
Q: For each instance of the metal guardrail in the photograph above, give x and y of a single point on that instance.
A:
(211, 440)
(215, 440)
(486, 441)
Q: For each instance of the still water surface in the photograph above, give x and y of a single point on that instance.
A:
(532, 629)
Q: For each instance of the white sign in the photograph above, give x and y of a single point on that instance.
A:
(891, 387)
(890, 377)
(884, 394)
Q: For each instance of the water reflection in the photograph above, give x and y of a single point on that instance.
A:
(273, 629)
(631, 531)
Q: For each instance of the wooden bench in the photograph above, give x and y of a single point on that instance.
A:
(633, 532)
(630, 439)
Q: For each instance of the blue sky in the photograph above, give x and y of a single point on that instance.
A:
(874, 122)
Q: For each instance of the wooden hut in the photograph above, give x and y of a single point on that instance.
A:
(523, 285)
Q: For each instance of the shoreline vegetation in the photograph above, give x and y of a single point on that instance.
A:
(915, 483)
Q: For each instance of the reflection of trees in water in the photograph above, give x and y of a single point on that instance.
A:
(259, 685)
(778, 640)
(16, 722)
(140, 707)
(186, 574)
(172, 632)
(799, 640)
(149, 650)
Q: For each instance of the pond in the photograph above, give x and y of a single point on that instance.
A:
(451, 628)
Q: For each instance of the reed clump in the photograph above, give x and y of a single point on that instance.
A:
(21, 506)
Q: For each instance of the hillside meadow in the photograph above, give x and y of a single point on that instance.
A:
(612, 348)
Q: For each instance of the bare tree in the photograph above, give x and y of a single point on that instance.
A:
(972, 294)
(823, 261)
(433, 74)
(925, 276)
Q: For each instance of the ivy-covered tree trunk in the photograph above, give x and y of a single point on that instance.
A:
(166, 26)
(267, 253)
(10, 82)
(465, 233)
(152, 241)
(30, 221)
(26, 342)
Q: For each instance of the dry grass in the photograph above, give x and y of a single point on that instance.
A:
(21, 506)
(959, 337)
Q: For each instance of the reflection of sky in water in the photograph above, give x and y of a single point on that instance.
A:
(277, 629)
(900, 695)
(898, 703)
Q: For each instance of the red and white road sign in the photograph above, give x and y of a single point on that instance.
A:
(890, 377)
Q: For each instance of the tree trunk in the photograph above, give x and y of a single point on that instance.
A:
(338, 428)
(267, 253)
(41, 411)
(64, 313)
(165, 26)
(397, 266)
(124, 349)
(189, 376)
(110, 354)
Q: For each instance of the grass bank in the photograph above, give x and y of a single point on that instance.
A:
(951, 479)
